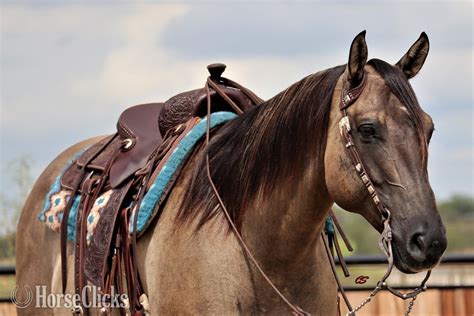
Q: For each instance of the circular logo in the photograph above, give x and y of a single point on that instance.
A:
(361, 279)
(21, 296)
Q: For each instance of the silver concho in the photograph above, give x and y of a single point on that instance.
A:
(344, 122)
(127, 144)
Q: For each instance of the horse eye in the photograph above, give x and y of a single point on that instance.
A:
(367, 131)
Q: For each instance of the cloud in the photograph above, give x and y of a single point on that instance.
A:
(294, 29)
(143, 68)
(139, 67)
(69, 70)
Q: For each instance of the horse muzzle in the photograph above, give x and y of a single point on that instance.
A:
(419, 250)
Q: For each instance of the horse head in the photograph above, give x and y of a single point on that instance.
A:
(391, 134)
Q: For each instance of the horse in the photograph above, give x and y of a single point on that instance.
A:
(278, 168)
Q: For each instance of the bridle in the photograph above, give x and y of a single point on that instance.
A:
(348, 97)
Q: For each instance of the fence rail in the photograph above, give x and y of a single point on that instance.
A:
(7, 270)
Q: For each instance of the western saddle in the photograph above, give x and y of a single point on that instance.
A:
(127, 162)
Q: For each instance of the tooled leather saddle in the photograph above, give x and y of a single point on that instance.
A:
(127, 162)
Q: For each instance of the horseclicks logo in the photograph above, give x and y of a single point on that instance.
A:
(91, 297)
(21, 296)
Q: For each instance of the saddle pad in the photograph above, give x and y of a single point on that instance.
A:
(57, 198)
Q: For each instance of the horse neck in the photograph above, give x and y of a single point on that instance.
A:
(284, 225)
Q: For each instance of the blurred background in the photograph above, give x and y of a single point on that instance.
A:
(69, 68)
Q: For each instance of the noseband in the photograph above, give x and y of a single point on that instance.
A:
(348, 97)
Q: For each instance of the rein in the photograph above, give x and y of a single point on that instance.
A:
(348, 97)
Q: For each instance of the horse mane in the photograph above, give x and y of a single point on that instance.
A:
(401, 88)
(245, 159)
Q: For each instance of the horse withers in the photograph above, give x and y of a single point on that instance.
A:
(278, 168)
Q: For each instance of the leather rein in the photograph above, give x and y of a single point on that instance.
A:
(348, 97)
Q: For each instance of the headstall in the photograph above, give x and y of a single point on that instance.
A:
(348, 97)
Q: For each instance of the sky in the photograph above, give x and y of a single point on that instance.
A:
(69, 70)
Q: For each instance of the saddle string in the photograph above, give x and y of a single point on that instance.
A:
(130, 215)
(296, 309)
(91, 189)
(81, 232)
(136, 283)
(66, 212)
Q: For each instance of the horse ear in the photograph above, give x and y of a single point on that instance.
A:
(414, 59)
(357, 58)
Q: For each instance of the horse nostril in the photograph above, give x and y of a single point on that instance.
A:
(424, 247)
(420, 241)
(417, 246)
